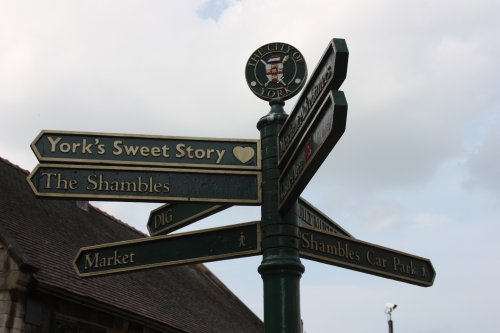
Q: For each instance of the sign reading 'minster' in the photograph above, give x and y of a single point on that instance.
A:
(146, 150)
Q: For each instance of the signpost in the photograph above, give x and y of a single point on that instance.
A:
(146, 150)
(197, 177)
(368, 258)
(146, 184)
(319, 139)
(173, 216)
(240, 240)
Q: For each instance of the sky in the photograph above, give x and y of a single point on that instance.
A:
(416, 170)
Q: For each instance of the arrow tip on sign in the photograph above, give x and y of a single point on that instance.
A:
(29, 179)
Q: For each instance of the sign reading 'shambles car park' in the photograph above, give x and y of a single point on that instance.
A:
(347, 252)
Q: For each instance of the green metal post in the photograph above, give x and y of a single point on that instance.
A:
(281, 268)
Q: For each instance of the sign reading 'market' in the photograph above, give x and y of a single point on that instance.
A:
(236, 241)
(146, 150)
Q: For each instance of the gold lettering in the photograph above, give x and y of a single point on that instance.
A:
(157, 187)
(375, 260)
(65, 147)
(180, 150)
(53, 143)
(114, 186)
(95, 260)
(305, 242)
(49, 176)
(297, 56)
(163, 218)
(125, 259)
(165, 150)
(131, 150)
(60, 183)
(91, 262)
(118, 149)
(128, 187)
(100, 149)
(220, 154)
(155, 151)
(91, 180)
(144, 151)
(199, 153)
(102, 262)
(72, 184)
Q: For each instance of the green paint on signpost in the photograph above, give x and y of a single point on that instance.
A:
(146, 150)
(364, 257)
(146, 184)
(319, 139)
(173, 216)
(236, 241)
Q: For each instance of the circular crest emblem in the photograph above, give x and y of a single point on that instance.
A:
(276, 70)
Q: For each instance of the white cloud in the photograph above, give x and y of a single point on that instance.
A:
(483, 165)
(422, 88)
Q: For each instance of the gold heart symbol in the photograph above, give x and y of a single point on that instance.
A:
(243, 154)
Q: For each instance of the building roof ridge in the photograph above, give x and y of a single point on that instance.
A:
(6, 161)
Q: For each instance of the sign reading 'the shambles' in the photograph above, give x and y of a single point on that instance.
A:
(122, 183)
(103, 148)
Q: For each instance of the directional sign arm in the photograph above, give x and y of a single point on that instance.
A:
(319, 139)
(235, 241)
(121, 183)
(146, 150)
(328, 75)
(364, 257)
(173, 216)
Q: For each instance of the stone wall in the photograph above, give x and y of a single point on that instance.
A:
(13, 287)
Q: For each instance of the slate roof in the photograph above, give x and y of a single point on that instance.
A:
(45, 235)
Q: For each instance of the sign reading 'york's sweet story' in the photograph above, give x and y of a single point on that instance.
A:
(146, 150)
